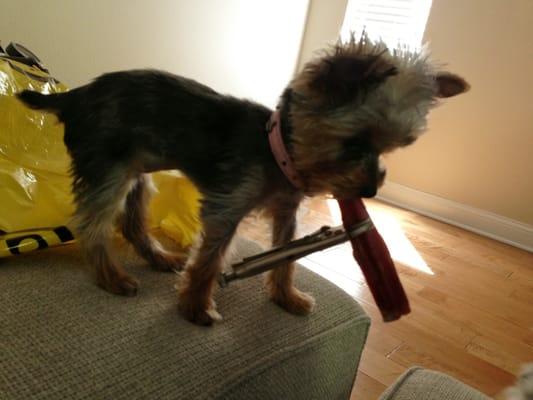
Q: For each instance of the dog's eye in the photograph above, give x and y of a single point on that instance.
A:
(355, 148)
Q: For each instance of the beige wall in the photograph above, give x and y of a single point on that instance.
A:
(323, 26)
(478, 150)
(479, 147)
(242, 47)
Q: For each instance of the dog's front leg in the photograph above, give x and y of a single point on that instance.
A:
(280, 280)
(197, 282)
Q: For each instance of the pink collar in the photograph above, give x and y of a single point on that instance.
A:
(280, 151)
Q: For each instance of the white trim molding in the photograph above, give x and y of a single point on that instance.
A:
(483, 222)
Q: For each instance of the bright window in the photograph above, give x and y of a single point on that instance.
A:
(395, 21)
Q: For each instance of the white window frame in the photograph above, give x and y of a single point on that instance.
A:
(396, 22)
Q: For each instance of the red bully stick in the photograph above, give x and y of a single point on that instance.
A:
(373, 257)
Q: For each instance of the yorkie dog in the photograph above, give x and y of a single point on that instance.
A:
(357, 101)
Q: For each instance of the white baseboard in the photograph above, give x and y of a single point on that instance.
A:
(473, 219)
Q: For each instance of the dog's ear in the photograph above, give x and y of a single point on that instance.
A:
(341, 77)
(449, 84)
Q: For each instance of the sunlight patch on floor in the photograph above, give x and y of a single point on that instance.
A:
(400, 247)
(340, 260)
(350, 286)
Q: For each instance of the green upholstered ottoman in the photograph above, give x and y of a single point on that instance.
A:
(424, 384)
(63, 338)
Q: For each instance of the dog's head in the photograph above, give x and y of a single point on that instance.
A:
(355, 103)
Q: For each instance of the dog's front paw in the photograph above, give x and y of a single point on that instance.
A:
(123, 285)
(293, 301)
(197, 313)
(196, 310)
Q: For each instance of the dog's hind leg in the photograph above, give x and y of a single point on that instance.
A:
(135, 230)
(99, 203)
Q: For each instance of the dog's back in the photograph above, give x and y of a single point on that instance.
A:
(160, 120)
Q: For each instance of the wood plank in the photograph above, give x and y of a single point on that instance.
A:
(366, 388)
(382, 342)
(428, 317)
(422, 347)
(474, 289)
(380, 367)
(506, 353)
(463, 366)
(479, 321)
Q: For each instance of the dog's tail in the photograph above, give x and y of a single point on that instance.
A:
(56, 102)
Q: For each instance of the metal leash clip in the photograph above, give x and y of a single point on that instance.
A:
(322, 239)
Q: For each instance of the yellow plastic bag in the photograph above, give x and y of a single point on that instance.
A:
(35, 198)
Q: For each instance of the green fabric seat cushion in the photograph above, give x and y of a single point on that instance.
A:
(62, 337)
(419, 383)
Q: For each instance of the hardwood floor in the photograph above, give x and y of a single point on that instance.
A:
(471, 299)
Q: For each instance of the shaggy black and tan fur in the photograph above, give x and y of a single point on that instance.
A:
(346, 108)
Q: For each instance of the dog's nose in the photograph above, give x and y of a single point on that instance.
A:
(368, 191)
